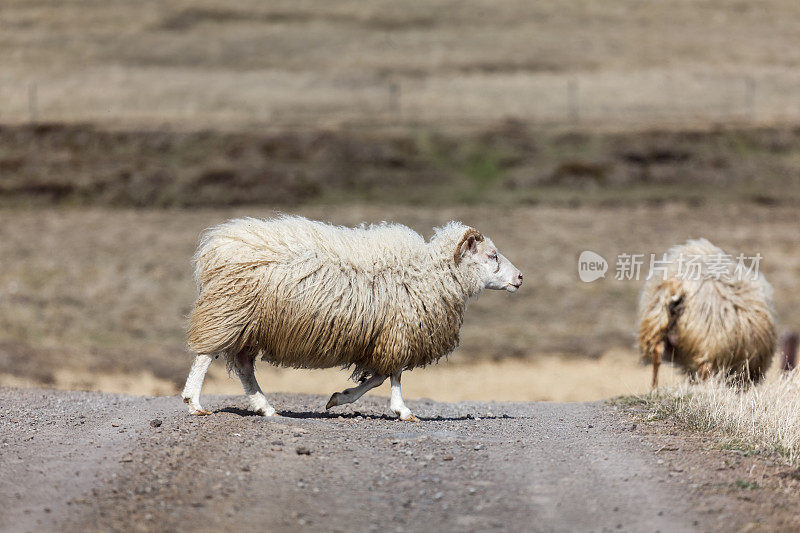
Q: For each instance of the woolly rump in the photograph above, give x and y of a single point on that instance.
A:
(707, 325)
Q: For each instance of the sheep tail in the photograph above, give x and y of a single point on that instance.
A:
(659, 310)
(359, 375)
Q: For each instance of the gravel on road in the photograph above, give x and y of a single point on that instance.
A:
(78, 461)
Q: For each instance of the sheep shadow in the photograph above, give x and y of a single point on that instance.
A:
(322, 415)
(325, 415)
(236, 411)
(304, 414)
(437, 418)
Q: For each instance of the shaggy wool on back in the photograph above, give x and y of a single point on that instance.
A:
(305, 294)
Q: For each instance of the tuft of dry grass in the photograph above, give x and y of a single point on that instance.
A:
(764, 418)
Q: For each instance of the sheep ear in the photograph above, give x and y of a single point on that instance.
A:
(466, 245)
(469, 242)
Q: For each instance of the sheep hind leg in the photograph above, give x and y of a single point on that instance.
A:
(396, 402)
(657, 354)
(244, 366)
(191, 391)
(704, 370)
(352, 394)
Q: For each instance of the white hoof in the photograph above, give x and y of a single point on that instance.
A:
(261, 406)
(404, 413)
(195, 408)
(267, 411)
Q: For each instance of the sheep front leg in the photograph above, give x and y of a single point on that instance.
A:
(352, 394)
(191, 391)
(396, 402)
(245, 369)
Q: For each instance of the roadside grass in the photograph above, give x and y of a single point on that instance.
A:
(746, 485)
(763, 418)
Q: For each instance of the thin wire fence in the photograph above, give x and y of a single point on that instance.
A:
(571, 101)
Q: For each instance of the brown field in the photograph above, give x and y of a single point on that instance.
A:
(96, 298)
(209, 63)
(127, 127)
(508, 163)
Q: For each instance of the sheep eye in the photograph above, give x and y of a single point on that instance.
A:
(493, 256)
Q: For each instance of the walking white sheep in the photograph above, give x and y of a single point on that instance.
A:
(708, 313)
(306, 294)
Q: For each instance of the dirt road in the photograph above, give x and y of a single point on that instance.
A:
(76, 461)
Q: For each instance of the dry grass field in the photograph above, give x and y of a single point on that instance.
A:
(127, 127)
(210, 63)
(97, 297)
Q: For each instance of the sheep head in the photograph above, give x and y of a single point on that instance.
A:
(497, 272)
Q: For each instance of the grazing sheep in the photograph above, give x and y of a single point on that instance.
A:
(705, 313)
(305, 294)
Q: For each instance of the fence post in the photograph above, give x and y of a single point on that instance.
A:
(789, 344)
(750, 97)
(573, 101)
(394, 97)
(33, 104)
